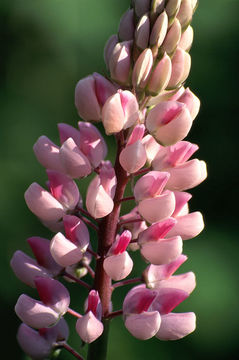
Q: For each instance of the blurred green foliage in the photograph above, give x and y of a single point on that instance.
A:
(46, 47)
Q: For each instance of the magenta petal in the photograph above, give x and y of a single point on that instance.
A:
(185, 282)
(89, 327)
(143, 326)
(32, 343)
(64, 189)
(26, 268)
(119, 266)
(53, 294)
(157, 208)
(34, 313)
(43, 204)
(150, 185)
(121, 243)
(175, 326)
(94, 304)
(168, 299)
(162, 251)
(64, 251)
(47, 153)
(138, 299)
(157, 230)
(154, 274)
(76, 231)
(41, 250)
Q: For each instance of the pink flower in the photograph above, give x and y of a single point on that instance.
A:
(89, 327)
(120, 111)
(68, 250)
(54, 303)
(39, 344)
(118, 264)
(133, 156)
(101, 191)
(91, 94)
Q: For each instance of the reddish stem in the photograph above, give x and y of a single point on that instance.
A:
(74, 313)
(114, 314)
(71, 350)
(142, 171)
(107, 233)
(130, 221)
(90, 270)
(127, 198)
(126, 282)
(79, 281)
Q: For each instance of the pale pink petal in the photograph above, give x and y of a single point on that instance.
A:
(34, 313)
(53, 293)
(133, 157)
(119, 266)
(188, 226)
(98, 202)
(64, 251)
(151, 147)
(74, 161)
(138, 300)
(191, 101)
(32, 343)
(86, 101)
(43, 204)
(89, 328)
(41, 250)
(26, 268)
(158, 208)
(186, 282)
(120, 62)
(187, 175)
(143, 326)
(47, 153)
(108, 178)
(175, 326)
(130, 108)
(162, 251)
(113, 114)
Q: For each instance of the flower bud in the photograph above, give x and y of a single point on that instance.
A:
(133, 156)
(191, 101)
(186, 39)
(120, 62)
(172, 8)
(185, 13)
(181, 64)
(91, 94)
(160, 76)
(159, 30)
(172, 38)
(126, 26)
(47, 153)
(141, 7)
(169, 122)
(157, 7)
(109, 47)
(142, 69)
(120, 112)
(142, 32)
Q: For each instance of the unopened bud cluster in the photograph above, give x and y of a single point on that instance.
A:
(144, 104)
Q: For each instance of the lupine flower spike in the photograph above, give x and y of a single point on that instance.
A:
(143, 102)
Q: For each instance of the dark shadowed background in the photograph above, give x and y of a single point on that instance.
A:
(46, 47)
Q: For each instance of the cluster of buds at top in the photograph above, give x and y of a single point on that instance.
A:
(144, 104)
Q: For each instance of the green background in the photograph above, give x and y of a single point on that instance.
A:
(46, 47)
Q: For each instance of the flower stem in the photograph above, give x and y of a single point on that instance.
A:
(74, 313)
(79, 281)
(71, 350)
(97, 350)
(126, 282)
(114, 314)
